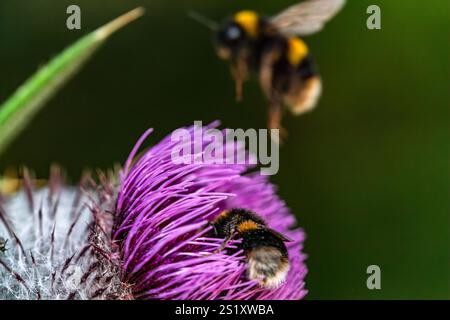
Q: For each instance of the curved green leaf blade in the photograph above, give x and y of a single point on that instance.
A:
(29, 98)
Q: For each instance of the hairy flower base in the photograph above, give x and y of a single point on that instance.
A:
(58, 244)
(162, 214)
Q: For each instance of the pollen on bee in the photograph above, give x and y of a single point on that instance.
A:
(247, 225)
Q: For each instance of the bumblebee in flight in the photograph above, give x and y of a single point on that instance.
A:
(267, 255)
(271, 47)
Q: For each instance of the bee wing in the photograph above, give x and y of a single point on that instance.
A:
(307, 17)
(280, 235)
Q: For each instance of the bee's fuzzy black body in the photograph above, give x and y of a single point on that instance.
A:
(267, 255)
(287, 72)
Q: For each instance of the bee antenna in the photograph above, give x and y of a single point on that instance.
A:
(210, 24)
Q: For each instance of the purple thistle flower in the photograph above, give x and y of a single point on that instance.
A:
(162, 215)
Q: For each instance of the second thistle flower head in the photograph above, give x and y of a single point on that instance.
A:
(56, 241)
(163, 225)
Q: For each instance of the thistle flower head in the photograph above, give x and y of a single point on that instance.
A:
(58, 244)
(162, 215)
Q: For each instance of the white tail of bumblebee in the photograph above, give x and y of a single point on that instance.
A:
(307, 98)
(268, 266)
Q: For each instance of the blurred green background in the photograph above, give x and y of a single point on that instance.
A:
(366, 173)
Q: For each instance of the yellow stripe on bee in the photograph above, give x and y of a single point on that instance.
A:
(297, 51)
(249, 21)
(224, 213)
(221, 215)
(247, 225)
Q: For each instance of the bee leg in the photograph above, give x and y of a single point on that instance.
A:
(266, 75)
(266, 72)
(239, 72)
(239, 83)
(213, 232)
(224, 243)
(275, 116)
(267, 82)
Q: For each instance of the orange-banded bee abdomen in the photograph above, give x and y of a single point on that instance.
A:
(296, 78)
(267, 255)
